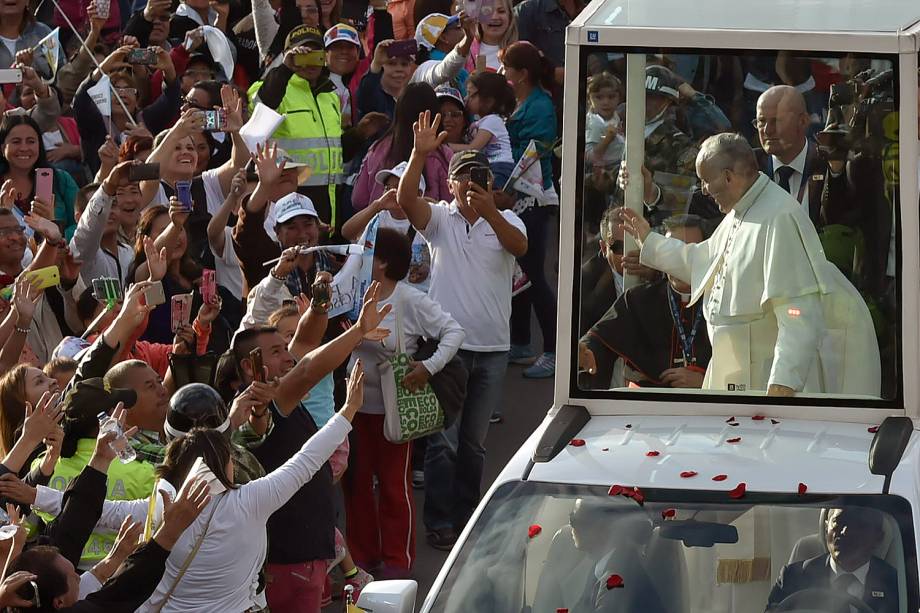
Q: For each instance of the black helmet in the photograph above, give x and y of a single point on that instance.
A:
(659, 80)
(195, 405)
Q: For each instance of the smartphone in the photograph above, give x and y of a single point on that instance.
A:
(314, 58)
(107, 290)
(184, 194)
(144, 57)
(144, 172)
(322, 293)
(208, 286)
(481, 177)
(10, 75)
(486, 10)
(102, 9)
(258, 369)
(402, 48)
(46, 277)
(251, 176)
(216, 120)
(155, 294)
(180, 311)
(44, 185)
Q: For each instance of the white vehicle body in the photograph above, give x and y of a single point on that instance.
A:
(812, 447)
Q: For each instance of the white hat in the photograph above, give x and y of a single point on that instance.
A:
(71, 347)
(431, 27)
(293, 205)
(398, 171)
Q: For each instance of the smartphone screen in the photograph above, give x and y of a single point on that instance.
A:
(10, 75)
(314, 58)
(481, 177)
(258, 370)
(208, 286)
(155, 294)
(44, 185)
(184, 194)
(180, 310)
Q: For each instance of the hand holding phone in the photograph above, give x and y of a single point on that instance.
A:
(144, 57)
(184, 194)
(44, 185)
(315, 59)
(155, 294)
(180, 311)
(208, 286)
(144, 172)
(258, 368)
(216, 120)
(481, 177)
(402, 48)
(43, 278)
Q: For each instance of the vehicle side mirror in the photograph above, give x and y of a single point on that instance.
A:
(395, 596)
(888, 446)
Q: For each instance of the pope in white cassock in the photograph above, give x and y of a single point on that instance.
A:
(780, 317)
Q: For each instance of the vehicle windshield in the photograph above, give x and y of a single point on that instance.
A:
(545, 548)
(770, 183)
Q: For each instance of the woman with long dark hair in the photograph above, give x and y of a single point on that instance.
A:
(534, 118)
(395, 146)
(21, 152)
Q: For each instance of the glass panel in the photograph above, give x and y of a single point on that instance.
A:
(542, 547)
(790, 284)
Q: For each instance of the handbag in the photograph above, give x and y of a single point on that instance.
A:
(407, 415)
(449, 383)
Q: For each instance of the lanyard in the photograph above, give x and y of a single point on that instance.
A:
(685, 341)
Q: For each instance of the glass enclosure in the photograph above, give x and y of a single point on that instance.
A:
(542, 547)
(758, 297)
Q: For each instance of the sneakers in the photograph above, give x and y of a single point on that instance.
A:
(359, 582)
(442, 540)
(543, 368)
(418, 479)
(521, 354)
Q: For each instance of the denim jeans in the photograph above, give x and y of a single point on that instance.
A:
(454, 458)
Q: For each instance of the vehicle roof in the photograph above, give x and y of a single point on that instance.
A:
(770, 457)
(780, 15)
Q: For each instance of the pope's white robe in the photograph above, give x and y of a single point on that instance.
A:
(777, 311)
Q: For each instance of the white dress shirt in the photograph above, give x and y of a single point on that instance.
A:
(856, 588)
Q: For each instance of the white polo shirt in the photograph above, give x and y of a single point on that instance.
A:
(471, 275)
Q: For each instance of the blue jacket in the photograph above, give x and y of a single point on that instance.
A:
(535, 119)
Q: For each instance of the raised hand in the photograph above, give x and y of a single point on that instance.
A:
(386, 202)
(104, 454)
(370, 316)
(178, 214)
(43, 209)
(134, 308)
(233, 106)
(15, 489)
(427, 137)
(26, 294)
(256, 396)
(179, 515)
(481, 200)
(9, 589)
(69, 267)
(354, 398)
(586, 359)
(7, 194)
(157, 262)
(184, 340)
(634, 223)
(42, 420)
(267, 167)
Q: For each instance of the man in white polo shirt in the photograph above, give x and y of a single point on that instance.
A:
(473, 249)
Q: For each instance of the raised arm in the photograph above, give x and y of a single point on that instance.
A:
(427, 141)
(230, 99)
(217, 226)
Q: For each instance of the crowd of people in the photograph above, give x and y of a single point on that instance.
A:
(198, 391)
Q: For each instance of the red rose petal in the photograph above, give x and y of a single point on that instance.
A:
(638, 496)
(872, 429)
(729, 420)
(774, 421)
(606, 449)
(668, 513)
(614, 581)
(759, 417)
(737, 439)
(720, 478)
(738, 492)
(652, 454)
(802, 489)
(688, 473)
(534, 530)
(577, 442)
(562, 611)
(615, 490)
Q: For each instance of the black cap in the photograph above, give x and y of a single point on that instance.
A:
(659, 80)
(195, 404)
(202, 58)
(92, 396)
(466, 160)
(302, 35)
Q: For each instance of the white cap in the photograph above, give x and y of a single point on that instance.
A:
(70, 347)
(398, 171)
(291, 206)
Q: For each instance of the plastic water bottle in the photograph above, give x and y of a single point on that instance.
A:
(120, 445)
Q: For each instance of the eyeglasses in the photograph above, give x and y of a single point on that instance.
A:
(194, 103)
(12, 231)
(36, 600)
(760, 124)
(132, 91)
(452, 114)
(465, 177)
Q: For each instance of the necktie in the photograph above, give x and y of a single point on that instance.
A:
(844, 584)
(784, 173)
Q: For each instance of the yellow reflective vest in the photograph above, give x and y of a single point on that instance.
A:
(311, 132)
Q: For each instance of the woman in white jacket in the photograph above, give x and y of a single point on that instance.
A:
(384, 533)
(214, 566)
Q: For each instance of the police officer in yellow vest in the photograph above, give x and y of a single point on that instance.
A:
(81, 425)
(311, 133)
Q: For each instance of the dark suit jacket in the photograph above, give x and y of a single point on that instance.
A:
(880, 591)
(815, 173)
(637, 594)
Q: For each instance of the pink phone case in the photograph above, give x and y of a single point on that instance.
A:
(44, 185)
(208, 286)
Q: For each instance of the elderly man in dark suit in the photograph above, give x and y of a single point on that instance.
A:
(845, 576)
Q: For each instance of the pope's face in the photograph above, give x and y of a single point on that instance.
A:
(715, 183)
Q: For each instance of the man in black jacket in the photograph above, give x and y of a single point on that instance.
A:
(848, 572)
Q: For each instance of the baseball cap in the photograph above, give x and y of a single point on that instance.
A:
(398, 171)
(293, 205)
(344, 32)
(446, 91)
(202, 58)
(70, 347)
(659, 80)
(89, 397)
(302, 35)
(465, 160)
(429, 29)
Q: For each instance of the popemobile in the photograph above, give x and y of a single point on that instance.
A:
(734, 422)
